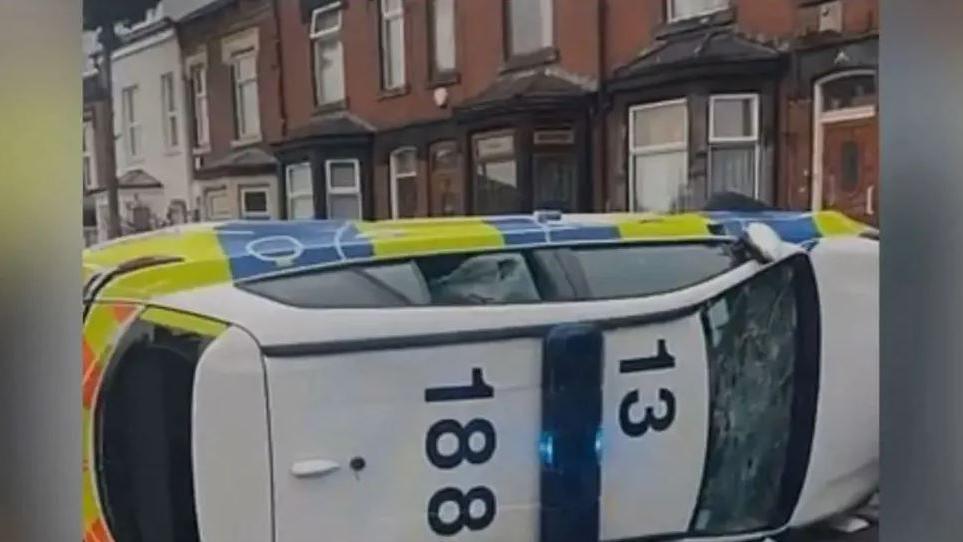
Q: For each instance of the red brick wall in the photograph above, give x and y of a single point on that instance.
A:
(479, 56)
(209, 32)
(769, 20)
(629, 28)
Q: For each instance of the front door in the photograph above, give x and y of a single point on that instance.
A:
(850, 168)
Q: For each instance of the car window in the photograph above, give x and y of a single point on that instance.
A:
(486, 279)
(632, 271)
(394, 285)
(760, 370)
(504, 277)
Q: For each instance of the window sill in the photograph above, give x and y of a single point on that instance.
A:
(692, 24)
(388, 93)
(534, 59)
(172, 151)
(330, 107)
(245, 141)
(444, 79)
(198, 151)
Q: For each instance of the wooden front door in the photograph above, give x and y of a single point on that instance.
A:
(851, 168)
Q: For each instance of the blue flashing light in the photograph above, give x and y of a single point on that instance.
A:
(598, 444)
(546, 449)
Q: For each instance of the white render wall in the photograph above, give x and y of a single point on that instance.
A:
(142, 63)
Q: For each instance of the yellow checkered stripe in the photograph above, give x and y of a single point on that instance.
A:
(229, 252)
(104, 326)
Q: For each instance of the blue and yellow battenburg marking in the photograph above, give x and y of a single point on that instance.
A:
(233, 251)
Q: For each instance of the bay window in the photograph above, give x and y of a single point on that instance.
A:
(343, 183)
(734, 144)
(300, 190)
(658, 156)
(496, 188)
(404, 183)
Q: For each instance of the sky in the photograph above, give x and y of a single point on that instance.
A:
(170, 8)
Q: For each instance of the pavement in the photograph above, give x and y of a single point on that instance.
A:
(867, 514)
(818, 534)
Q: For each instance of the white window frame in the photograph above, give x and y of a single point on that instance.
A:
(89, 164)
(169, 112)
(672, 17)
(291, 195)
(387, 16)
(245, 214)
(395, 176)
(201, 115)
(253, 132)
(329, 35)
(754, 138)
(130, 124)
(820, 120)
(209, 195)
(436, 70)
(329, 189)
(635, 150)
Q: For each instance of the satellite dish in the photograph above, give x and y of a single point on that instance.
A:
(441, 96)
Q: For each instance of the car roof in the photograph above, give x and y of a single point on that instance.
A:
(190, 256)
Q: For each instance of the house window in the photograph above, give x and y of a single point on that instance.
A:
(678, 10)
(300, 191)
(343, 178)
(88, 154)
(852, 92)
(247, 118)
(217, 204)
(445, 180)
(496, 174)
(198, 75)
(658, 156)
(404, 183)
(734, 144)
(131, 123)
(554, 170)
(443, 35)
(169, 110)
(254, 203)
(530, 25)
(328, 54)
(392, 44)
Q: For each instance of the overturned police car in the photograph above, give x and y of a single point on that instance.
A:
(527, 378)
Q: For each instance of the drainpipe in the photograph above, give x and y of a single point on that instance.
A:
(281, 190)
(601, 100)
(279, 59)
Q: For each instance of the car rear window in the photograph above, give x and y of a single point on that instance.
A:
(566, 274)
(633, 271)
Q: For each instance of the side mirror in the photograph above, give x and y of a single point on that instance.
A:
(763, 243)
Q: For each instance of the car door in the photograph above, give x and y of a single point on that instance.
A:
(686, 412)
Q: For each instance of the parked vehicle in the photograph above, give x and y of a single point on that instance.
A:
(543, 378)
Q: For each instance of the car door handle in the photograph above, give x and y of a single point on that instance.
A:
(313, 468)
